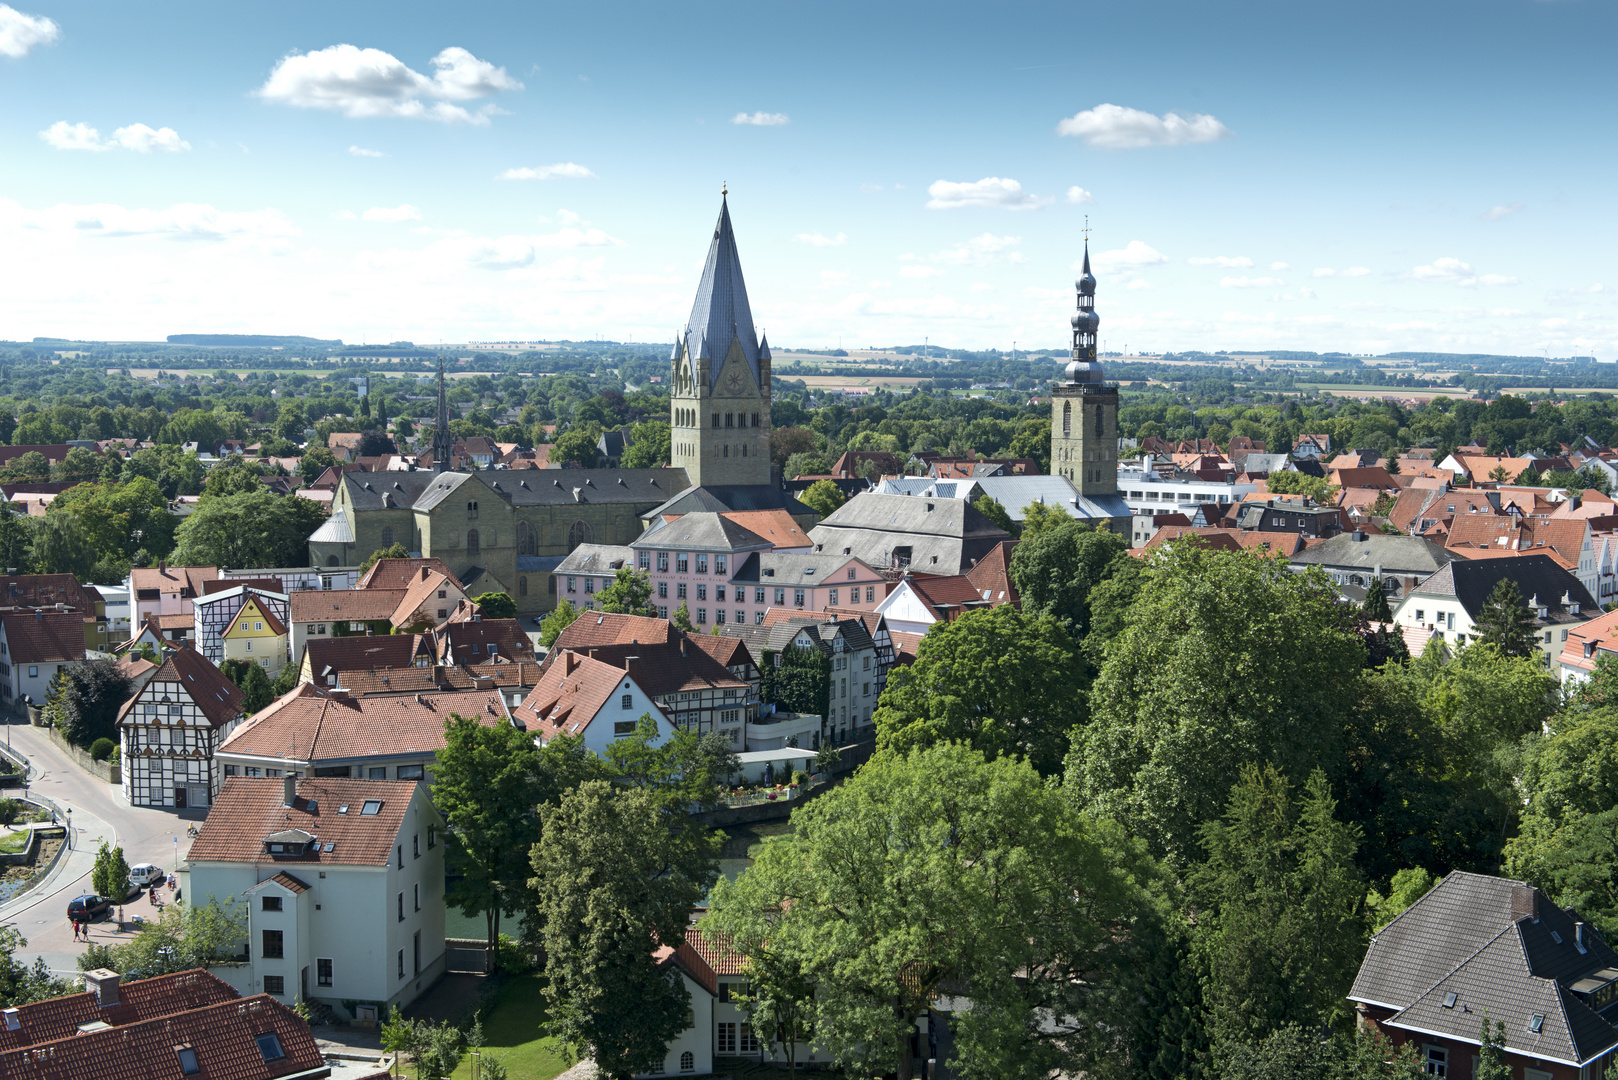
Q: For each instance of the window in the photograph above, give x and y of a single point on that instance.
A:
(589, 586)
(834, 598)
(726, 1043)
(415, 895)
(372, 807)
(719, 617)
(688, 1062)
(249, 646)
(758, 618)
(432, 837)
(1420, 615)
(749, 1040)
(682, 564)
(572, 584)
(269, 903)
(272, 949)
(741, 616)
(379, 772)
(702, 592)
(718, 592)
(401, 964)
(758, 596)
(797, 597)
(416, 946)
(645, 560)
(33, 672)
(663, 560)
(1435, 1061)
(322, 972)
(188, 1060)
(522, 586)
(663, 590)
(415, 845)
(662, 611)
(719, 564)
(401, 907)
(270, 1046)
(679, 590)
(620, 728)
(702, 614)
(245, 626)
(627, 701)
(780, 596)
(401, 864)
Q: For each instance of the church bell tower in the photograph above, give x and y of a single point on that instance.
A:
(720, 377)
(1084, 408)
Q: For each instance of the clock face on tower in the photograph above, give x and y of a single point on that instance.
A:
(733, 381)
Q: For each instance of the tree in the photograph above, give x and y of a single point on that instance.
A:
(942, 869)
(60, 548)
(787, 442)
(650, 446)
(1375, 606)
(256, 688)
(629, 594)
(251, 529)
(576, 445)
(496, 605)
(1505, 621)
(110, 875)
(85, 699)
(392, 551)
(1499, 474)
(779, 1003)
(20, 985)
(682, 619)
(315, 460)
(185, 936)
(1297, 483)
(991, 509)
(1055, 570)
(999, 680)
(1282, 928)
(1039, 516)
(557, 621)
(823, 497)
(687, 772)
(614, 886)
(486, 784)
(805, 463)
(1408, 886)
(1492, 1064)
(1225, 658)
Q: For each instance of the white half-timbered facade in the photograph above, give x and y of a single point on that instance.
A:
(170, 730)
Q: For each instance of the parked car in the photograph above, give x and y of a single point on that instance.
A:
(88, 908)
(131, 892)
(146, 874)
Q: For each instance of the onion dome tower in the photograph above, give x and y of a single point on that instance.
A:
(1084, 408)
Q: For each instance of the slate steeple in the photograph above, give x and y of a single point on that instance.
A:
(721, 314)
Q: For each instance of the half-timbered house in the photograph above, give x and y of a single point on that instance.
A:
(172, 727)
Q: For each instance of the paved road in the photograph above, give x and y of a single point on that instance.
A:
(99, 812)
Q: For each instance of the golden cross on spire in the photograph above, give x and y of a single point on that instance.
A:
(1087, 227)
(724, 189)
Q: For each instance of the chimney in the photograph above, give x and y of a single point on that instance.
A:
(289, 788)
(103, 983)
(1578, 937)
(631, 666)
(570, 660)
(424, 573)
(682, 647)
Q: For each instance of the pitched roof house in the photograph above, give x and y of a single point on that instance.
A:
(34, 646)
(936, 536)
(1477, 947)
(592, 699)
(170, 729)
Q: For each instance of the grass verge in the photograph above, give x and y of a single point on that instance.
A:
(511, 1026)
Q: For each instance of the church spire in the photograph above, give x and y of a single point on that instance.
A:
(441, 440)
(1084, 367)
(721, 314)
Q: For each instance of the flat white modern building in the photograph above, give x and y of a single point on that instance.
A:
(342, 885)
(1146, 492)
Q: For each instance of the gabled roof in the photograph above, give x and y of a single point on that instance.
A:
(59, 1017)
(272, 622)
(401, 573)
(603, 559)
(46, 590)
(1499, 947)
(343, 605)
(249, 808)
(43, 637)
(560, 486)
(1369, 550)
(662, 668)
(171, 579)
(720, 314)
(1600, 635)
(608, 628)
(312, 723)
(423, 591)
(207, 687)
(570, 695)
(701, 531)
(438, 679)
(338, 654)
(991, 576)
(775, 526)
(728, 651)
(721, 499)
(476, 640)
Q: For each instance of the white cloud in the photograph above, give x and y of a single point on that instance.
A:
(360, 151)
(817, 240)
(1138, 285)
(1279, 266)
(182, 221)
(363, 83)
(19, 32)
(1352, 271)
(1134, 254)
(1078, 196)
(1455, 272)
(1245, 282)
(402, 212)
(566, 169)
(914, 270)
(65, 136)
(136, 137)
(990, 191)
(1117, 127)
(143, 140)
(1224, 262)
(979, 250)
(1505, 210)
(761, 119)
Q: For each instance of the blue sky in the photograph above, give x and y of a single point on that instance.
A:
(1366, 177)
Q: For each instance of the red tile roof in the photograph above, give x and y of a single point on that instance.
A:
(249, 808)
(223, 1037)
(423, 592)
(992, 573)
(1600, 634)
(60, 1017)
(571, 695)
(474, 641)
(44, 637)
(315, 724)
(661, 668)
(331, 656)
(728, 651)
(185, 621)
(343, 605)
(607, 628)
(409, 680)
(258, 584)
(271, 621)
(185, 580)
(776, 526)
(207, 687)
(397, 573)
(45, 590)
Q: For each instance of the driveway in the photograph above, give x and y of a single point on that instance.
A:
(99, 812)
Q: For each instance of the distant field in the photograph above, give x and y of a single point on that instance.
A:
(857, 380)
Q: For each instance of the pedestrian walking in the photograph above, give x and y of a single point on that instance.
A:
(76, 930)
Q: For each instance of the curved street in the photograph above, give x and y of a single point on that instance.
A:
(99, 812)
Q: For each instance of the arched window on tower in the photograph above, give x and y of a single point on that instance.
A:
(387, 536)
(472, 547)
(526, 544)
(577, 533)
(1067, 419)
(1101, 423)
(522, 586)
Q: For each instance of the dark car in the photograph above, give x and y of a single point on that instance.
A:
(88, 908)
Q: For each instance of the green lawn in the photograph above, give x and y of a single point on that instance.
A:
(13, 842)
(511, 1028)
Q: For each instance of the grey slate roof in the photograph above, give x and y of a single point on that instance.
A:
(821, 629)
(336, 530)
(701, 530)
(1536, 575)
(941, 536)
(721, 498)
(720, 314)
(1394, 554)
(1499, 946)
(596, 559)
(1265, 462)
(522, 487)
(365, 490)
(1015, 493)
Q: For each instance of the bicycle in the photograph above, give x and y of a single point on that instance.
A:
(192, 832)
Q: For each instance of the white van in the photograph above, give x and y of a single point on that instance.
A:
(146, 874)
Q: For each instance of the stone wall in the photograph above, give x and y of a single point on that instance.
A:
(107, 771)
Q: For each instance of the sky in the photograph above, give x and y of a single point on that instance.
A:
(1371, 177)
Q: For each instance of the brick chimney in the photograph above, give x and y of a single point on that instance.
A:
(570, 660)
(104, 984)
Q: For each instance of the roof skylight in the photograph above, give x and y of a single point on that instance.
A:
(371, 808)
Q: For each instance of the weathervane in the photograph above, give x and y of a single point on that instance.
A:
(1087, 227)
(724, 189)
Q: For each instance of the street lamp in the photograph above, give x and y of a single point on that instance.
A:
(70, 828)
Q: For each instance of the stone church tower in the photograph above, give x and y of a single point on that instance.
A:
(1084, 409)
(720, 378)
